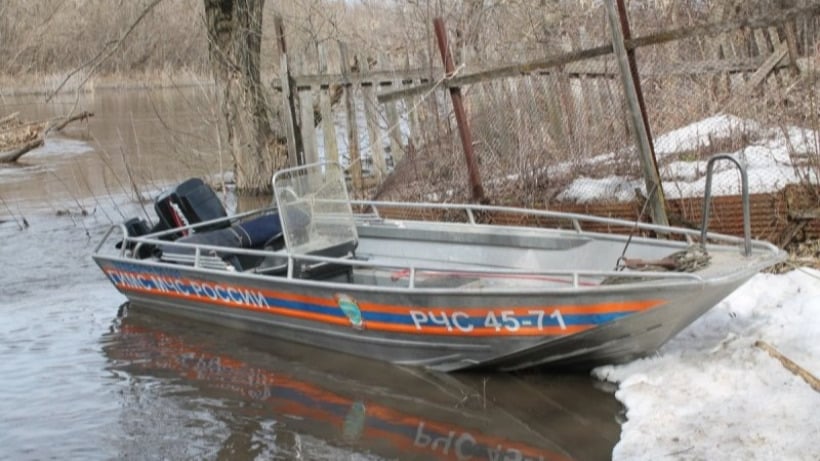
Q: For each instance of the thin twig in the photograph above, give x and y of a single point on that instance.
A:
(13, 216)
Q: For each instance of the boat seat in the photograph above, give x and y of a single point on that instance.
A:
(322, 270)
(274, 264)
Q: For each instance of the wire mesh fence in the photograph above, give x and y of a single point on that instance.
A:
(561, 135)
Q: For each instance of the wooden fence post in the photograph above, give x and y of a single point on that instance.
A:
(414, 105)
(289, 117)
(355, 164)
(654, 188)
(371, 112)
(393, 123)
(308, 124)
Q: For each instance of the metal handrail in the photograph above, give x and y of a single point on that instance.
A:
(413, 271)
(744, 193)
(574, 275)
(108, 234)
(575, 218)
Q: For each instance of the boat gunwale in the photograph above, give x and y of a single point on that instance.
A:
(575, 218)
(526, 291)
(770, 255)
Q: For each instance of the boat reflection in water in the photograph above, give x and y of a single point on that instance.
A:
(196, 391)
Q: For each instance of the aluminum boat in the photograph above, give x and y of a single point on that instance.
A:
(476, 286)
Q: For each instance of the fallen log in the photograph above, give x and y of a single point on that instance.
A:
(17, 138)
(11, 154)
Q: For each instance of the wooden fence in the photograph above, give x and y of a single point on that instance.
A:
(343, 98)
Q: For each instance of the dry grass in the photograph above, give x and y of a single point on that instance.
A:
(46, 37)
(801, 254)
(20, 134)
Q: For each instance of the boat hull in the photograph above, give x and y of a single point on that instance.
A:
(439, 329)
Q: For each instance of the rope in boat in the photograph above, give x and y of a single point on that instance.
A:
(689, 260)
(620, 263)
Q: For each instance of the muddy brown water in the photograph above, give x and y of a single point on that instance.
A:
(83, 378)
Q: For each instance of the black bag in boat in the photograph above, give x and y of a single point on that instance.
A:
(261, 232)
(254, 233)
(136, 227)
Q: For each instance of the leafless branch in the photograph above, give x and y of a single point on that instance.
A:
(100, 57)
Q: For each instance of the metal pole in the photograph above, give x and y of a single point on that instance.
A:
(461, 115)
(744, 196)
(640, 127)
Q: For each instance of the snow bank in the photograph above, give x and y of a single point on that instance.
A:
(711, 394)
(768, 161)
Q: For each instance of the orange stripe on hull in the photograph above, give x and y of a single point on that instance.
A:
(624, 307)
(598, 308)
(268, 310)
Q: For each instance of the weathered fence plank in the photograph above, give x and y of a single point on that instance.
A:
(331, 149)
(575, 94)
(289, 117)
(791, 40)
(288, 98)
(308, 124)
(768, 66)
(371, 111)
(555, 120)
(393, 131)
(376, 78)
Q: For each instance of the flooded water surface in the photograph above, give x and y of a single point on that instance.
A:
(135, 137)
(83, 376)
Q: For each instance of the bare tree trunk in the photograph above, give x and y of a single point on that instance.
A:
(234, 44)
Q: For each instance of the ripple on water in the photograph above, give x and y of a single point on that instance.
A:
(56, 402)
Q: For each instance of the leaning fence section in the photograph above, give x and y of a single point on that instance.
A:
(339, 118)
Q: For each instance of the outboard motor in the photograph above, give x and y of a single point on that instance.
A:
(188, 203)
